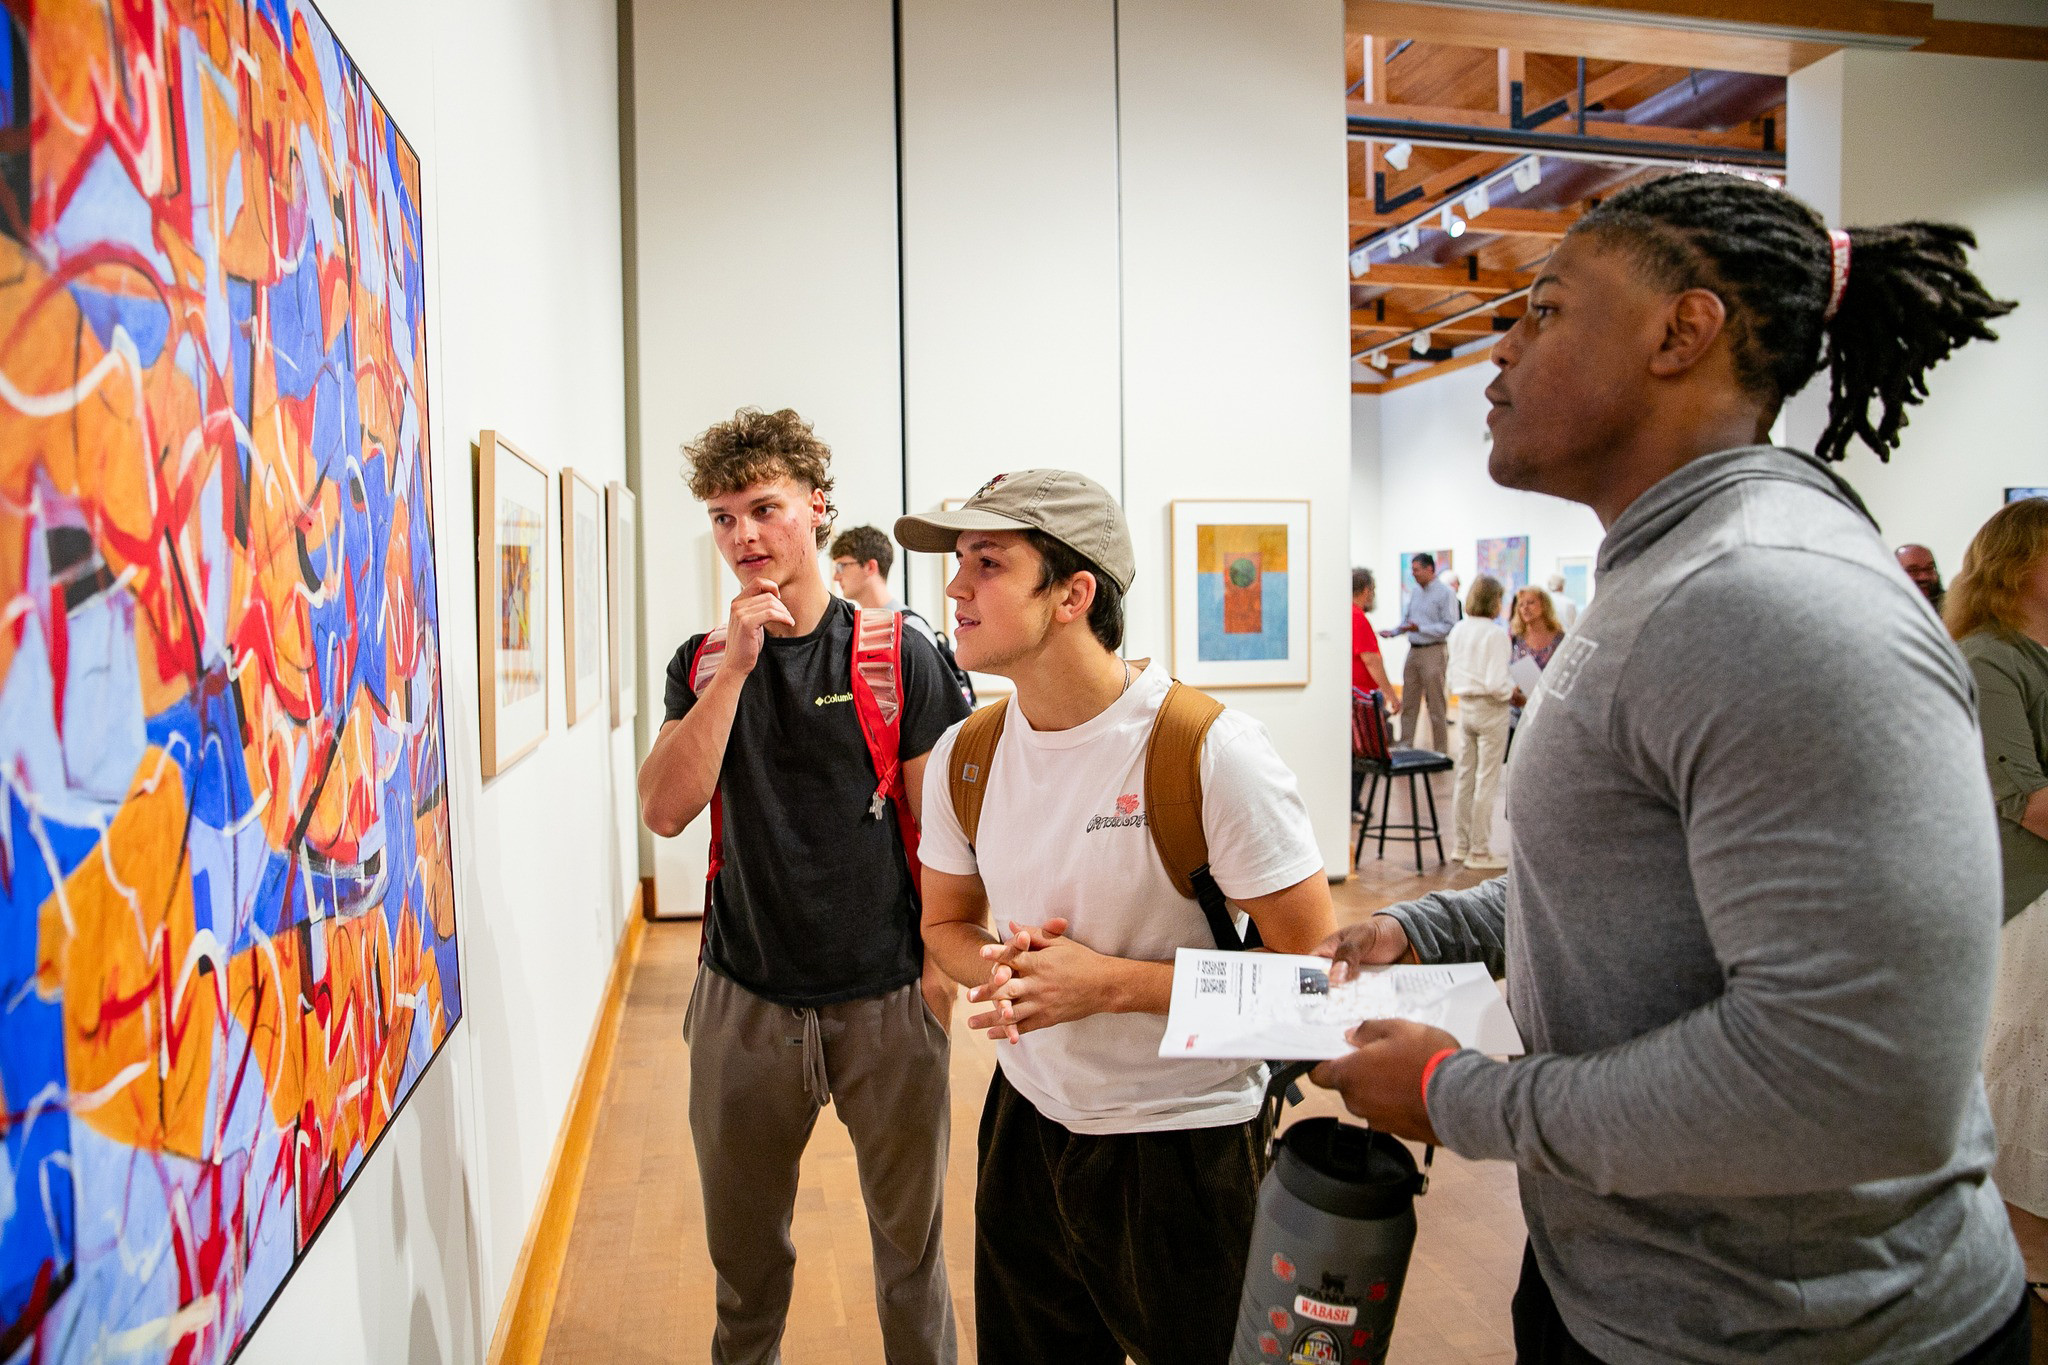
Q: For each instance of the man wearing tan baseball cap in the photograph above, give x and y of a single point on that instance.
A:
(1082, 1113)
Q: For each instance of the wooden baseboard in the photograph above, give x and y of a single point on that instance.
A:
(530, 1301)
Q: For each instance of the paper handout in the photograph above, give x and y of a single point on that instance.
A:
(1283, 1008)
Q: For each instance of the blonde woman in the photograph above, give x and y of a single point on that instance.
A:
(1533, 633)
(1997, 609)
(1479, 676)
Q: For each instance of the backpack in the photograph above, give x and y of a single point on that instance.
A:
(1173, 796)
(877, 702)
(945, 648)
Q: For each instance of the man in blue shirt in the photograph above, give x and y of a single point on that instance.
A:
(1432, 611)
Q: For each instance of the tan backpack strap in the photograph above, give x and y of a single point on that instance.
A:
(1173, 782)
(974, 749)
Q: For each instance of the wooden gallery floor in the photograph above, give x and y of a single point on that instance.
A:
(638, 1288)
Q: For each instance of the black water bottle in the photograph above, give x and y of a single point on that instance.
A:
(1331, 1242)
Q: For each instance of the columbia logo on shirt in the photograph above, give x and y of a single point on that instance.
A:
(831, 697)
(1127, 813)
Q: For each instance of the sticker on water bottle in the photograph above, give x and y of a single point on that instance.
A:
(1341, 1314)
(1316, 1347)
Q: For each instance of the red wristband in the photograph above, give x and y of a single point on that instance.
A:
(1429, 1069)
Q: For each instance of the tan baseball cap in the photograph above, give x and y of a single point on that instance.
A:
(1071, 508)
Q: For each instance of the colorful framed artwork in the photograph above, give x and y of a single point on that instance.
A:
(1444, 565)
(583, 619)
(2022, 494)
(622, 571)
(1506, 558)
(512, 496)
(987, 686)
(1240, 593)
(1578, 578)
(226, 862)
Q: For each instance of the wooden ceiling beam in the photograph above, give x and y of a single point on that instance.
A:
(1569, 35)
(1446, 278)
(1552, 223)
(1441, 367)
(1400, 322)
(1606, 127)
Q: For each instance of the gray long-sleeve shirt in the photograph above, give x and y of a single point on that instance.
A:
(1749, 929)
(1432, 611)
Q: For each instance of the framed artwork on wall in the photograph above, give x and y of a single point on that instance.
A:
(583, 618)
(512, 496)
(1578, 578)
(2022, 494)
(1444, 565)
(230, 953)
(1506, 558)
(1240, 592)
(622, 566)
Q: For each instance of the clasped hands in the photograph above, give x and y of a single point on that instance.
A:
(1040, 977)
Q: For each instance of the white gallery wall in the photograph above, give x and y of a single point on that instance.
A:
(512, 107)
(765, 222)
(1121, 251)
(1865, 150)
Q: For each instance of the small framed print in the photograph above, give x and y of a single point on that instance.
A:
(622, 564)
(512, 496)
(1240, 592)
(583, 618)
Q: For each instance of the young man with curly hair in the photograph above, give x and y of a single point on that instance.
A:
(814, 987)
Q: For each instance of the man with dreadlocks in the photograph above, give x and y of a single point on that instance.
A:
(1751, 1125)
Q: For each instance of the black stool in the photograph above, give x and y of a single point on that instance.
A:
(1374, 755)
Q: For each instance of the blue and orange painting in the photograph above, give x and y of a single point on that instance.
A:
(1241, 592)
(227, 906)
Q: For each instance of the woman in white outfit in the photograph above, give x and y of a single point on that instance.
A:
(1997, 609)
(1478, 675)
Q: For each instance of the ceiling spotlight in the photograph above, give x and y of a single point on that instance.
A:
(1477, 202)
(1361, 261)
(1407, 239)
(1421, 345)
(1528, 174)
(1378, 360)
(1453, 225)
(1398, 154)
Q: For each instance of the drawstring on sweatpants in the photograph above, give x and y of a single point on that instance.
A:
(817, 1084)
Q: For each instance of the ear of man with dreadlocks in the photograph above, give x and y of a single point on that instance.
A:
(1750, 921)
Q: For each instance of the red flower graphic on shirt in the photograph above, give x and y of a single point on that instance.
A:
(1127, 804)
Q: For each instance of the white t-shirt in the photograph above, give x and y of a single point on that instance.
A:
(1479, 660)
(1063, 834)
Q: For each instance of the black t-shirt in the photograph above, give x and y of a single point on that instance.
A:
(814, 904)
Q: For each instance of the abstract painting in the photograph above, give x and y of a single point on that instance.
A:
(229, 945)
(512, 495)
(1240, 587)
(583, 623)
(622, 566)
(2022, 494)
(1444, 565)
(1578, 578)
(1507, 560)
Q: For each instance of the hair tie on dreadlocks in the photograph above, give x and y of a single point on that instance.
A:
(1785, 278)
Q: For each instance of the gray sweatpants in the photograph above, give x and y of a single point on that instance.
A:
(759, 1073)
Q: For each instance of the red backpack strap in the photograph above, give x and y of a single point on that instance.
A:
(878, 703)
(703, 668)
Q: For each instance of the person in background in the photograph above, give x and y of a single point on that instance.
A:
(1432, 611)
(861, 558)
(1533, 633)
(1998, 613)
(1751, 927)
(1479, 675)
(1918, 562)
(1567, 610)
(1368, 668)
